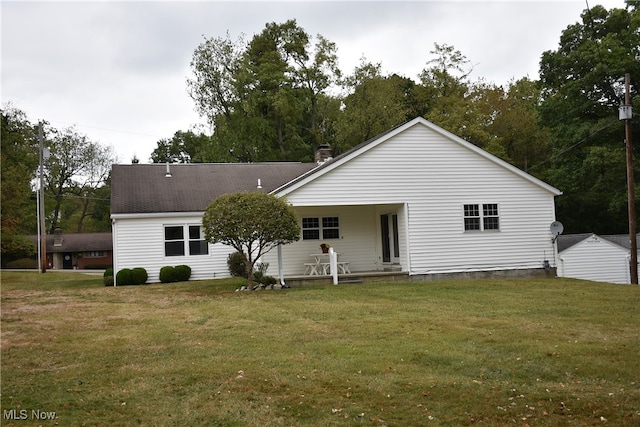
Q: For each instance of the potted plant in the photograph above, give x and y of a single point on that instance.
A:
(325, 247)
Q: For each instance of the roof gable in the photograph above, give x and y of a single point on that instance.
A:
(380, 139)
(145, 188)
(568, 241)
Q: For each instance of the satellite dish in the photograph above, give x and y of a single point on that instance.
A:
(556, 228)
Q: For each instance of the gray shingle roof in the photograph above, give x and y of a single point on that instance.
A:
(79, 242)
(568, 240)
(143, 188)
(565, 241)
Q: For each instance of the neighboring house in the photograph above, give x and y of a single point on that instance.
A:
(589, 256)
(416, 199)
(78, 250)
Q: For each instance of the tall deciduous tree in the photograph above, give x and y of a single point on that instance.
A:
(580, 106)
(266, 99)
(76, 168)
(252, 223)
(523, 140)
(215, 65)
(376, 103)
(183, 147)
(455, 105)
(19, 161)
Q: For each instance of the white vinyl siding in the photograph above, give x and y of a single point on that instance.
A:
(141, 243)
(432, 175)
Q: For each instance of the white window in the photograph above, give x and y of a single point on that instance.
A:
(197, 244)
(314, 228)
(184, 239)
(476, 219)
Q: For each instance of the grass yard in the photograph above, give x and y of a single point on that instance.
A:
(546, 352)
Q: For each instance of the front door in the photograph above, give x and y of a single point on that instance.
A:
(389, 234)
(67, 260)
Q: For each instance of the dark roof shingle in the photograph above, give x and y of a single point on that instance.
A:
(78, 242)
(143, 188)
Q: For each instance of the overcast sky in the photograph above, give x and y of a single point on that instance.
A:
(118, 70)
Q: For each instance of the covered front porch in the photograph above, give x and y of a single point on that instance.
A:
(368, 239)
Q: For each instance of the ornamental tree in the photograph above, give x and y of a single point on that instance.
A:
(252, 223)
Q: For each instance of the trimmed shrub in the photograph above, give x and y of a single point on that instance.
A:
(269, 280)
(139, 276)
(236, 265)
(167, 274)
(258, 276)
(23, 263)
(183, 273)
(124, 277)
(107, 277)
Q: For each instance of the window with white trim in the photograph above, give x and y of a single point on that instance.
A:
(184, 239)
(197, 244)
(314, 228)
(485, 219)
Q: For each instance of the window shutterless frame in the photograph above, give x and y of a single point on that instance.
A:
(315, 228)
(481, 217)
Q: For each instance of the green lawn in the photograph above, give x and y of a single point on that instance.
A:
(542, 352)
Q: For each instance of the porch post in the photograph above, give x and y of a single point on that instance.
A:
(280, 275)
(333, 262)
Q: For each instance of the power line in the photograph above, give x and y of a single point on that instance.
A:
(571, 147)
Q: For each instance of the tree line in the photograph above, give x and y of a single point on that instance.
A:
(280, 95)
(76, 182)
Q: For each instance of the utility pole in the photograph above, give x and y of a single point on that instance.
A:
(43, 232)
(626, 115)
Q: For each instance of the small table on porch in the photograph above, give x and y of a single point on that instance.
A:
(321, 265)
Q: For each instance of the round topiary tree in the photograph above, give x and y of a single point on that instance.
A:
(183, 273)
(124, 277)
(168, 274)
(107, 277)
(139, 276)
(252, 223)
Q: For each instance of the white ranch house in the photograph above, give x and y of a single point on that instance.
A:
(416, 199)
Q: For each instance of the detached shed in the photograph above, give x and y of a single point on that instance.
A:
(589, 256)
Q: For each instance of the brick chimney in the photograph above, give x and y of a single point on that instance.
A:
(57, 237)
(323, 154)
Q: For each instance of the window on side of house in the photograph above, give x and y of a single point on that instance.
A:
(490, 217)
(485, 219)
(197, 244)
(174, 240)
(314, 228)
(471, 218)
(180, 238)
